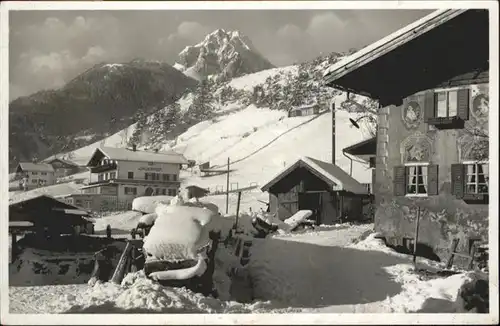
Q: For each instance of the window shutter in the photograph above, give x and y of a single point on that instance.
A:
(463, 103)
(429, 105)
(432, 180)
(457, 180)
(399, 180)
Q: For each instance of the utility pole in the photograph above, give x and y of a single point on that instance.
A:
(227, 188)
(332, 106)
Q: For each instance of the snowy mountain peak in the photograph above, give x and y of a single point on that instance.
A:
(225, 54)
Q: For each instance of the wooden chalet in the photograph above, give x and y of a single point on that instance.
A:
(326, 189)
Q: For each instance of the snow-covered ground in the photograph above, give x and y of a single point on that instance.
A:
(328, 270)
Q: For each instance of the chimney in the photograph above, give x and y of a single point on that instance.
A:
(134, 147)
(333, 130)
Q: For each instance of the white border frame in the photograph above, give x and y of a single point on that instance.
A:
(291, 319)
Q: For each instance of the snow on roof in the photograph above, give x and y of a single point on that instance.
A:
(53, 190)
(390, 42)
(331, 173)
(126, 154)
(36, 167)
(53, 159)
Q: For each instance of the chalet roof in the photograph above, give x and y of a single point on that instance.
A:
(303, 107)
(35, 167)
(420, 56)
(196, 187)
(328, 172)
(47, 198)
(365, 147)
(125, 154)
(52, 160)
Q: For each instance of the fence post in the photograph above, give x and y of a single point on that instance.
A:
(237, 210)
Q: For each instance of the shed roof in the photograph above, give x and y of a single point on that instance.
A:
(365, 147)
(422, 55)
(328, 172)
(35, 167)
(126, 154)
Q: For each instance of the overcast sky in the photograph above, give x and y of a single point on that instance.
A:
(48, 48)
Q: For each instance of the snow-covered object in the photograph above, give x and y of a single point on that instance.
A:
(181, 274)
(193, 202)
(148, 219)
(147, 204)
(224, 53)
(296, 218)
(179, 232)
(124, 221)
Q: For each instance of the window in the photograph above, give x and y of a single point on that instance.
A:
(112, 175)
(476, 178)
(100, 177)
(157, 191)
(156, 176)
(106, 176)
(78, 202)
(446, 104)
(172, 192)
(164, 191)
(166, 177)
(174, 177)
(130, 191)
(130, 175)
(43, 173)
(34, 181)
(146, 176)
(34, 173)
(416, 180)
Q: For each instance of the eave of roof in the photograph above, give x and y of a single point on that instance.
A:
(389, 43)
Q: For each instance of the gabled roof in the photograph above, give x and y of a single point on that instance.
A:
(35, 167)
(328, 172)
(52, 160)
(125, 154)
(441, 45)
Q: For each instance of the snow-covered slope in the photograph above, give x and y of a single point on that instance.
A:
(258, 140)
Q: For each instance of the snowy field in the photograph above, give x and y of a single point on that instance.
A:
(327, 270)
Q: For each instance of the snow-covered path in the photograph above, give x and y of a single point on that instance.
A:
(328, 270)
(325, 271)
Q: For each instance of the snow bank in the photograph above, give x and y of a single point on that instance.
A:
(138, 294)
(35, 268)
(148, 204)
(120, 221)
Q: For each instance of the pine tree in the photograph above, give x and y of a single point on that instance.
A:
(202, 107)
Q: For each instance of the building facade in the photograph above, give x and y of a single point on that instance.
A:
(34, 175)
(432, 145)
(118, 175)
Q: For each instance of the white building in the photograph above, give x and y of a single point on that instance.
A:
(122, 174)
(34, 175)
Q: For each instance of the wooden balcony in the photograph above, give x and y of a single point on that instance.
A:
(103, 168)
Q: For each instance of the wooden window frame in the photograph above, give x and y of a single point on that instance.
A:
(449, 122)
(416, 164)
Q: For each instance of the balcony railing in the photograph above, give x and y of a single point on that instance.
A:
(103, 168)
(135, 181)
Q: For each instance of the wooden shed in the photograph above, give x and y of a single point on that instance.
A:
(48, 214)
(196, 192)
(327, 190)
